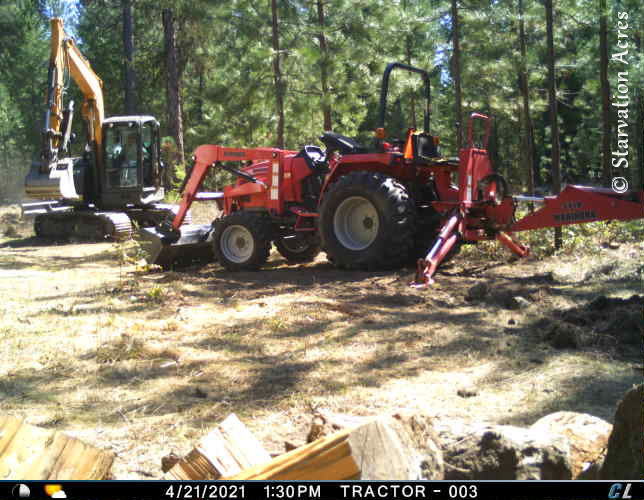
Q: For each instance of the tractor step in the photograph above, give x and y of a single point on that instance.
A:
(194, 245)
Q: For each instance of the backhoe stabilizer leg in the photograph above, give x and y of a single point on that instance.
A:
(426, 268)
(513, 245)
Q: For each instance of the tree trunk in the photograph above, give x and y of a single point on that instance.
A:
(173, 88)
(324, 62)
(202, 90)
(5, 151)
(527, 138)
(408, 47)
(277, 75)
(493, 147)
(605, 92)
(35, 97)
(456, 75)
(128, 49)
(408, 54)
(554, 126)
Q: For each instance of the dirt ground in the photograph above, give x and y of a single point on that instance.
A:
(147, 363)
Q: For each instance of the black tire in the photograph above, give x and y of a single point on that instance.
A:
(390, 244)
(242, 241)
(298, 250)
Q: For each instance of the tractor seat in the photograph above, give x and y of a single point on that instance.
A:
(345, 145)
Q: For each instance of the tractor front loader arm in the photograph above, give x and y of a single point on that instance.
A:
(208, 156)
(174, 243)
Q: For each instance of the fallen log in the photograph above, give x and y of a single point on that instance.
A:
(374, 450)
(30, 452)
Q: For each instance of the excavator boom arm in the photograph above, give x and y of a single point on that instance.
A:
(65, 55)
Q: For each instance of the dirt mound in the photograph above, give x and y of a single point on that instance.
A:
(507, 452)
(605, 322)
(10, 231)
(10, 218)
(12, 224)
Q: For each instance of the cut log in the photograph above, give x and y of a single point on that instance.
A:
(374, 450)
(227, 450)
(29, 452)
(414, 429)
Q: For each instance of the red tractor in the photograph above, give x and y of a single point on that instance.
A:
(368, 208)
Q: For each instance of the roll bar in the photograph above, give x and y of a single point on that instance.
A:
(385, 89)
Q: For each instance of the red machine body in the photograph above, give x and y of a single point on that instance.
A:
(281, 185)
(373, 207)
(273, 182)
(479, 208)
(481, 213)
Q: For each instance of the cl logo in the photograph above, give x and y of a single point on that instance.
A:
(616, 491)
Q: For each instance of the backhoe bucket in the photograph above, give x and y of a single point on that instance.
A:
(194, 246)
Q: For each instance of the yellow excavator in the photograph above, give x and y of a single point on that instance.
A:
(116, 182)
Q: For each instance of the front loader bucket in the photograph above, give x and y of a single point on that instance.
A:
(194, 245)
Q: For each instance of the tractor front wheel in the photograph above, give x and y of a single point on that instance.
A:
(367, 221)
(297, 249)
(242, 241)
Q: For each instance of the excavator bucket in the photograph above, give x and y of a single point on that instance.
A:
(193, 246)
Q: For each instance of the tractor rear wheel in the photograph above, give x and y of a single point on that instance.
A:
(297, 249)
(367, 221)
(242, 241)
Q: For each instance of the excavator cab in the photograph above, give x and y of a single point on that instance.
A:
(131, 160)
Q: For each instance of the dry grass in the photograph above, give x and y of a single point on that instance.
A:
(147, 363)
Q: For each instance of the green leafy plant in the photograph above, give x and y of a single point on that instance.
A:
(156, 293)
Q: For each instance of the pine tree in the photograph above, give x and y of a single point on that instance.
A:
(552, 98)
(605, 92)
(277, 75)
(173, 88)
(128, 52)
(528, 132)
(456, 75)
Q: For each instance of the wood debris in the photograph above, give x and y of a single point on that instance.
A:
(225, 451)
(30, 452)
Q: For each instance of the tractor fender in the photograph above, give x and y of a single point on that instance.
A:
(384, 163)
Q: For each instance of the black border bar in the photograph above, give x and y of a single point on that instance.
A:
(325, 490)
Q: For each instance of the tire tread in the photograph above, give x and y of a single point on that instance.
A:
(398, 240)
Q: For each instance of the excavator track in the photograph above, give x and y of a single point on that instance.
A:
(87, 225)
(84, 226)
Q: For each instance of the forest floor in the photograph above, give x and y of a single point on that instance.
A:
(147, 363)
